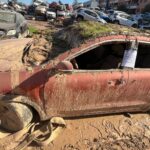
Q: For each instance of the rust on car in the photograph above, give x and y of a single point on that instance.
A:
(78, 92)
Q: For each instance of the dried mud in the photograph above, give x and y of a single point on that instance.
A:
(115, 132)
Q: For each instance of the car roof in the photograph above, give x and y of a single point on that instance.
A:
(119, 12)
(87, 9)
(124, 14)
(8, 11)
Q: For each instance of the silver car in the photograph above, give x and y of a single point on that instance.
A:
(12, 24)
(86, 14)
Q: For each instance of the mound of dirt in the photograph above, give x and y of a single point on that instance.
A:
(50, 45)
(37, 52)
(77, 33)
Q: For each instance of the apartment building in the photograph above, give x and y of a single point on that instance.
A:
(142, 4)
(136, 5)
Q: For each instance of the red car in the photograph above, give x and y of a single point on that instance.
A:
(86, 80)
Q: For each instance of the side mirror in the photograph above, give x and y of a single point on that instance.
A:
(64, 65)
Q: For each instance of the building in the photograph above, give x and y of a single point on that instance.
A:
(133, 5)
(91, 3)
(142, 4)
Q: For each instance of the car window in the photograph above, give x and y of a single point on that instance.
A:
(143, 56)
(7, 17)
(101, 58)
(90, 13)
(126, 16)
(51, 9)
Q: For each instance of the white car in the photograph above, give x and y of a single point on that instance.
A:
(114, 13)
(50, 14)
(61, 13)
(86, 14)
(125, 19)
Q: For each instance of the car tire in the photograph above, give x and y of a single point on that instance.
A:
(15, 116)
(79, 18)
(19, 36)
(135, 26)
(116, 22)
(26, 33)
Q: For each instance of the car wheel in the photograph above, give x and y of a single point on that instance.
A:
(26, 33)
(134, 25)
(79, 18)
(19, 36)
(116, 22)
(15, 116)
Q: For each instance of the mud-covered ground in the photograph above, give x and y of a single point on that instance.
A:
(114, 132)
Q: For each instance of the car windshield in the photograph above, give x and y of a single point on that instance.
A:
(129, 17)
(7, 17)
(101, 13)
(51, 9)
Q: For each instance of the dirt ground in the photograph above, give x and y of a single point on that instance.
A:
(113, 132)
(42, 25)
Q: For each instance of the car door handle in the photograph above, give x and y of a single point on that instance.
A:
(116, 82)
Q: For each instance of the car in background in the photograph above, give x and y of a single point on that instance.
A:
(86, 14)
(61, 13)
(50, 14)
(40, 10)
(114, 13)
(12, 24)
(103, 16)
(124, 19)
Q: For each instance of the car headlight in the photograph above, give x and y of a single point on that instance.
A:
(11, 32)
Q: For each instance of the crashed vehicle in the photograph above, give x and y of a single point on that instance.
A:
(12, 24)
(81, 74)
(40, 11)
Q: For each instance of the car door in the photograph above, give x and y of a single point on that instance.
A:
(123, 20)
(139, 81)
(90, 15)
(76, 92)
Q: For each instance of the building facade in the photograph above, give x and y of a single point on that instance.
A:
(136, 5)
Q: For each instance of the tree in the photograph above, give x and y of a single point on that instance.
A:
(147, 8)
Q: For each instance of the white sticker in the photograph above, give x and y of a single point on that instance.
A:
(129, 58)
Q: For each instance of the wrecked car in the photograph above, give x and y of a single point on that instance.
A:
(12, 24)
(102, 71)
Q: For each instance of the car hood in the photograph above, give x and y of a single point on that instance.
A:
(51, 12)
(7, 26)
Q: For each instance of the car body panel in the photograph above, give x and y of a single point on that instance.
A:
(87, 93)
(70, 93)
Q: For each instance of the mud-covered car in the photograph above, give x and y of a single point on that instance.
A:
(79, 77)
(12, 24)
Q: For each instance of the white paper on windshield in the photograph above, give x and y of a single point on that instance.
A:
(129, 58)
